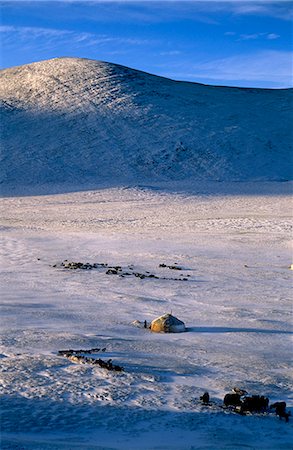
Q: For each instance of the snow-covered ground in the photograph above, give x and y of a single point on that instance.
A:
(233, 244)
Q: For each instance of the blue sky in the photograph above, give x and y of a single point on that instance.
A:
(233, 43)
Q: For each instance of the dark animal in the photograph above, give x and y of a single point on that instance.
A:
(255, 403)
(280, 408)
(232, 400)
(205, 398)
(239, 391)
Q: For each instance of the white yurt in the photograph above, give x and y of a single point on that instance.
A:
(167, 324)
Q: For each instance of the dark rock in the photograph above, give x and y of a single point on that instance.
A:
(77, 356)
(111, 272)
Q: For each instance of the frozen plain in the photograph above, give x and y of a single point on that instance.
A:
(234, 242)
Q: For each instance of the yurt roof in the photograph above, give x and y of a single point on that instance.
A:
(171, 319)
(167, 324)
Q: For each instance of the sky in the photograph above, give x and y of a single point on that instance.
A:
(231, 43)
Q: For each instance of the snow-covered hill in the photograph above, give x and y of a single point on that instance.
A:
(78, 121)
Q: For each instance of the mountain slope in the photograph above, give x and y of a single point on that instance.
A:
(71, 120)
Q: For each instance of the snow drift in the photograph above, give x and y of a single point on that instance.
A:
(77, 121)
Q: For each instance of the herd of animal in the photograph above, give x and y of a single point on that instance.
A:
(240, 402)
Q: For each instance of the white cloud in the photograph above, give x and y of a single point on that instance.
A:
(265, 65)
(271, 36)
(34, 31)
(171, 53)
(66, 36)
(280, 9)
(272, 67)
(156, 11)
(248, 37)
(253, 36)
